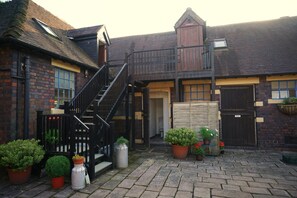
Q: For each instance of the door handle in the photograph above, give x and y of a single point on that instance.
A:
(237, 116)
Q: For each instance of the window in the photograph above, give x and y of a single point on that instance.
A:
(283, 89)
(46, 28)
(196, 92)
(64, 86)
(219, 43)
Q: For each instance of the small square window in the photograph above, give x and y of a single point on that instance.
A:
(220, 43)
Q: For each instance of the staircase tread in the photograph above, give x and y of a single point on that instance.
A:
(84, 116)
(102, 166)
(97, 156)
(89, 123)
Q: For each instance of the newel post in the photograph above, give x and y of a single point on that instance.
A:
(39, 125)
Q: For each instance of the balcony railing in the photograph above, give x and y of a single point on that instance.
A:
(170, 63)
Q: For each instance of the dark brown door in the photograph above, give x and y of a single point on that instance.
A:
(237, 113)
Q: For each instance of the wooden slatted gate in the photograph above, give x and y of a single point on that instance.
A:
(237, 113)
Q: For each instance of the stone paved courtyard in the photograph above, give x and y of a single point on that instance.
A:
(154, 173)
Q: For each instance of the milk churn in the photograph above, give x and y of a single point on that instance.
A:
(121, 151)
(78, 174)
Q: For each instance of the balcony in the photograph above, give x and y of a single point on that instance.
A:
(172, 63)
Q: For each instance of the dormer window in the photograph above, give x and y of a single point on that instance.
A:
(220, 43)
(46, 28)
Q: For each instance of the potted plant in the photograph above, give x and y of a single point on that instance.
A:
(78, 174)
(288, 106)
(207, 134)
(180, 139)
(198, 151)
(57, 167)
(78, 159)
(121, 151)
(222, 147)
(18, 156)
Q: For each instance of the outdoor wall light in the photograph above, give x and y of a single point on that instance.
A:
(86, 73)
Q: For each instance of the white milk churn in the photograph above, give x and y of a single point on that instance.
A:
(121, 151)
(78, 176)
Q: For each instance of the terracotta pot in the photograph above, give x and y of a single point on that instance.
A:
(19, 176)
(199, 157)
(57, 182)
(78, 161)
(180, 152)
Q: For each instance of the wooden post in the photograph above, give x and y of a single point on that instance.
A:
(39, 126)
(146, 116)
(177, 97)
(132, 132)
(127, 112)
(211, 50)
(111, 143)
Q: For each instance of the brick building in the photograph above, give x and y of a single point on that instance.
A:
(253, 67)
(248, 68)
(44, 62)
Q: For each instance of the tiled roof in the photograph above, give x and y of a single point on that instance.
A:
(123, 45)
(255, 48)
(84, 31)
(18, 24)
(267, 47)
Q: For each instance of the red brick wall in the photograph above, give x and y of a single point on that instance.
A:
(5, 93)
(42, 83)
(276, 125)
(42, 88)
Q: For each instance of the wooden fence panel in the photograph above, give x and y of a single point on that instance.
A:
(195, 115)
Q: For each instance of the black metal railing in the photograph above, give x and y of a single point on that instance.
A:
(53, 132)
(67, 134)
(166, 62)
(110, 98)
(87, 94)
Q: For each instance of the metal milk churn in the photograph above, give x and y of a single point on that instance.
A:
(78, 180)
(121, 151)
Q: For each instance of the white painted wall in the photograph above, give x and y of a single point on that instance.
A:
(158, 110)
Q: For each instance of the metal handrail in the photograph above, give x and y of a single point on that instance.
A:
(83, 124)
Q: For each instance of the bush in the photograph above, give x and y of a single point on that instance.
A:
(181, 136)
(20, 154)
(57, 166)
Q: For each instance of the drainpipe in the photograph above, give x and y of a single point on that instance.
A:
(27, 97)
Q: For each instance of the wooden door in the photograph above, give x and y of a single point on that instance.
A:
(237, 113)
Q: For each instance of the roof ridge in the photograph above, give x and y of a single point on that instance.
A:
(255, 22)
(14, 28)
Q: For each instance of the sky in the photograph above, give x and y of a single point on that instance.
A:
(134, 17)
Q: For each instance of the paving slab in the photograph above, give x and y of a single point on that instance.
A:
(237, 173)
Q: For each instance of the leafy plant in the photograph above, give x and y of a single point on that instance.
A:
(207, 134)
(19, 154)
(77, 156)
(122, 140)
(290, 100)
(57, 166)
(181, 136)
(52, 136)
